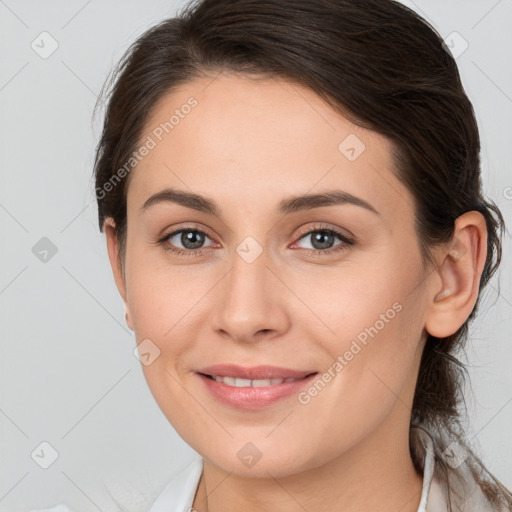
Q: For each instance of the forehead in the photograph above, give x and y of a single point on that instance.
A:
(263, 139)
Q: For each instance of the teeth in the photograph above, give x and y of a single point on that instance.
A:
(230, 381)
(256, 383)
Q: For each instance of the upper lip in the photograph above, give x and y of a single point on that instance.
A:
(254, 372)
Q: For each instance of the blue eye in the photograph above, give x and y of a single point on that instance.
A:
(322, 239)
(190, 238)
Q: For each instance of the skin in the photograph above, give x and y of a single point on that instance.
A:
(249, 144)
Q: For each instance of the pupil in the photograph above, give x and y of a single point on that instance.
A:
(192, 239)
(319, 240)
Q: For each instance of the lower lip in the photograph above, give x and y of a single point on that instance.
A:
(253, 398)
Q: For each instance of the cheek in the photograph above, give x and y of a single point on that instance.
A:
(163, 298)
(344, 302)
(370, 322)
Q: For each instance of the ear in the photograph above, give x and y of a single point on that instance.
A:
(116, 264)
(457, 277)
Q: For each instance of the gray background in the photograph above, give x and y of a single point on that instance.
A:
(68, 375)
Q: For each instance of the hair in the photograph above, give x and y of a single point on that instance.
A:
(380, 65)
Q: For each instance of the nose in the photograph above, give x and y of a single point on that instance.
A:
(251, 301)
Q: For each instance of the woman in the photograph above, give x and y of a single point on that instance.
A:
(290, 192)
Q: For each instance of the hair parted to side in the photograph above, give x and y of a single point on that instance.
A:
(381, 66)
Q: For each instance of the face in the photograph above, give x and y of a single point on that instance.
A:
(332, 289)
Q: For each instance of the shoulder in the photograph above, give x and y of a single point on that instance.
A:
(177, 495)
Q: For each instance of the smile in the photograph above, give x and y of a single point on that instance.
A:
(253, 388)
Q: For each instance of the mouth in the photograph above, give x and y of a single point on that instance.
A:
(253, 388)
(254, 373)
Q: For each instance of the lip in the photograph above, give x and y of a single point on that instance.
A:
(253, 398)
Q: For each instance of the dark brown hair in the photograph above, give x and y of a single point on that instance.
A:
(380, 65)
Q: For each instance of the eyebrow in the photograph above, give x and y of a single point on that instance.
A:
(291, 204)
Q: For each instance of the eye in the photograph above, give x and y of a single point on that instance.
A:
(191, 240)
(323, 238)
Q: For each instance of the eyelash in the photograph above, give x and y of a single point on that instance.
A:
(346, 242)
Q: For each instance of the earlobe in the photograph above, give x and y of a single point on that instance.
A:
(116, 264)
(459, 271)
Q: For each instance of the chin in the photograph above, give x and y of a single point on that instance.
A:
(250, 461)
